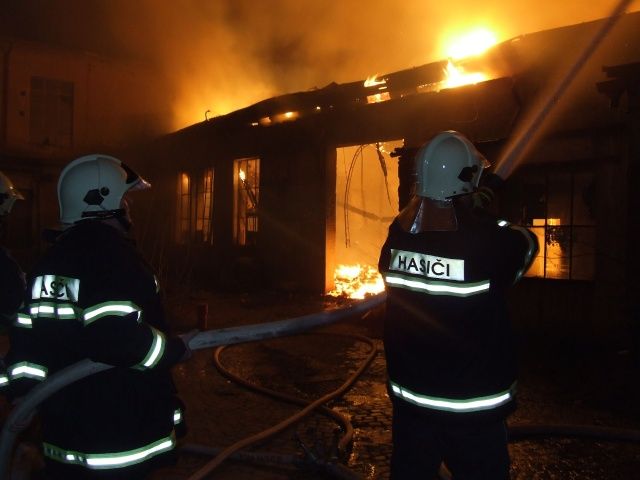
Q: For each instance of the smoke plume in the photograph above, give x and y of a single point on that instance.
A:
(221, 55)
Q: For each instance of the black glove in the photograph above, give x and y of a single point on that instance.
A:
(486, 192)
(492, 181)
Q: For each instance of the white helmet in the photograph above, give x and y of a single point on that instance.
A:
(93, 187)
(8, 195)
(447, 166)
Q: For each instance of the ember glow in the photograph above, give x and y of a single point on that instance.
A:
(356, 281)
(378, 97)
(373, 81)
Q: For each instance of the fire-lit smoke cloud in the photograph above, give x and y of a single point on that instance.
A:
(221, 55)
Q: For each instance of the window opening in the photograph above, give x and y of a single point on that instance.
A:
(558, 208)
(247, 196)
(51, 112)
(194, 207)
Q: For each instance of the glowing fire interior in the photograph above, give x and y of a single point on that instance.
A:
(356, 281)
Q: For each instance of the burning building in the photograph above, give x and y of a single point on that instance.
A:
(293, 191)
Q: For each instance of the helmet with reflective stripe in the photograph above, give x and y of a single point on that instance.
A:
(8, 195)
(448, 166)
(93, 186)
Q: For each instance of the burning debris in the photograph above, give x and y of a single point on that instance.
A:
(356, 281)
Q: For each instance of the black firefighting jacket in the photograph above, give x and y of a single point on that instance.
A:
(12, 281)
(447, 335)
(93, 296)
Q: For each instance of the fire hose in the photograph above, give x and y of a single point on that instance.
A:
(333, 468)
(21, 415)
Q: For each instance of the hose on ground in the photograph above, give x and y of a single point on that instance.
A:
(345, 441)
(246, 442)
(334, 469)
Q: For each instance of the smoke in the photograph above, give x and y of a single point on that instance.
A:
(221, 55)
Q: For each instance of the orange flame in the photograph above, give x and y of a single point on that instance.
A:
(356, 281)
(242, 175)
(470, 44)
(373, 81)
(457, 77)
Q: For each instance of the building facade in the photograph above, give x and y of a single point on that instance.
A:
(57, 104)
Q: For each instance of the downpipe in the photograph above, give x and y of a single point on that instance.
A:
(21, 415)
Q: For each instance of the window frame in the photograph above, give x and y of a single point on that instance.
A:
(194, 206)
(246, 192)
(532, 175)
(50, 121)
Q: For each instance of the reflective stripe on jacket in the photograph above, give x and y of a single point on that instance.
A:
(447, 333)
(93, 296)
(456, 405)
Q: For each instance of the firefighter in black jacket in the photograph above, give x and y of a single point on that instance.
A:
(12, 279)
(447, 267)
(93, 296)
(11, 276)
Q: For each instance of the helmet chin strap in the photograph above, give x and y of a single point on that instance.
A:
(125, 221)
(121, 215)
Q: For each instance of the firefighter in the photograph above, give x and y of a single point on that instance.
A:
(13, 282)
(448, 265)
(93, 296)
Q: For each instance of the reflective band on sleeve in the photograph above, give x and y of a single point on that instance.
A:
(437, 287)
(155, 352)
(103, 461)
(42, 309)
(29, 370)
(23, 320)
(100, 310)
(63, 311)
(4, 380)
(455, 405)
(177, 416)
(503, 223)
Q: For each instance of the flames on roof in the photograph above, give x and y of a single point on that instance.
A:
(429, 78)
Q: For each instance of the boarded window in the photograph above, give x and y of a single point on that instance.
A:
(51, 112)
(194, 207)
(247, 194)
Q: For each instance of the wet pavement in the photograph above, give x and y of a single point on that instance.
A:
(589, 385)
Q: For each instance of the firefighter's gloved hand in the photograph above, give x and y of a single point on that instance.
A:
(482, 197)
(492, 180)
(490, 183)
(186, 338)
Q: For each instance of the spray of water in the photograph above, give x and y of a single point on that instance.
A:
(525, 137)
